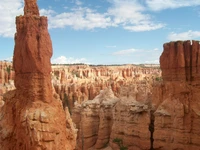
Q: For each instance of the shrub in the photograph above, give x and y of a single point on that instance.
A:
(119, 142)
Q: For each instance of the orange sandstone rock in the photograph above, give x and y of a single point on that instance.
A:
(176, 100)
(32, 117)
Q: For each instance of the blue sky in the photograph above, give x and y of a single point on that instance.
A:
(107, 31)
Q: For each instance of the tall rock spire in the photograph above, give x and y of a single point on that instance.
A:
(32, 53)
(31, 7)
(32, 117)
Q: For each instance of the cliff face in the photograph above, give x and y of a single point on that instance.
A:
(32, 117)
(169, 118)
(180, 61)
(131, 117)
(106, 118)
(94, 120)
(176, 100)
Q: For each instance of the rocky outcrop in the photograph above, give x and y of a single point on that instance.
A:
(78, 83)
(131, 118)
(106, 118)
(180, 61)
(82, 83)
(167, 119)
(32, 117)
(94, 120)
(176, 100)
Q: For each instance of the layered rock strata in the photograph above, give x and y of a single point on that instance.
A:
(131, 117)
(107, 118)
(167, 119)
(73, 83)
(79, 83)
(32, 116)
(176, 100)
(94, 120)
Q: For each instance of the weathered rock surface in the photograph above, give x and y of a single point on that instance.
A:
(180, 61)
(107, 117)
(131, 117)
(6, 72)
(176, 100)
(6, 78)
(95, 120)
(171, 113)
(73, 84)
(82, 83)
(32, 117)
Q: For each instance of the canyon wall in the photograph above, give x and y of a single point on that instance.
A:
(160, 115)
(98, 122)
(107, 118)
(128, 107)
(32, 117)
(176, 100)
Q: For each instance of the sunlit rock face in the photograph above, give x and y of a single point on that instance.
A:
(176, 100)
(94, 119)
(108, 117)
(79, 83)
(32, 117)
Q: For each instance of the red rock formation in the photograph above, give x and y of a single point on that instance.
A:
(32, 117)
(107, 117)
(176, 100)
(87, 87)
(131, 117)
(6, 72)
(94, 120)
(180, 61)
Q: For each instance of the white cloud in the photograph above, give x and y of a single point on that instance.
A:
(126, 11)
(157, 5)
(47, 12)
(155, 49)
(78, 2)
(128, 14)
(125, 52)
(9, 9)
(111, 46)
(132, 55)
(152, 61)
(8, 59)
(123, 13)
(144, 27)
(70, 60)
(79, 19)
(131, 15)
(189, 35)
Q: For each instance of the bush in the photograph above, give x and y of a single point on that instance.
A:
(119, 142)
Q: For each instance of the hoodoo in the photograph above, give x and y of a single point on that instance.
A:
(177, 117)
(32, 117)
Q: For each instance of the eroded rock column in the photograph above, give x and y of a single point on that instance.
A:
(177, 115)
(32, 117)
